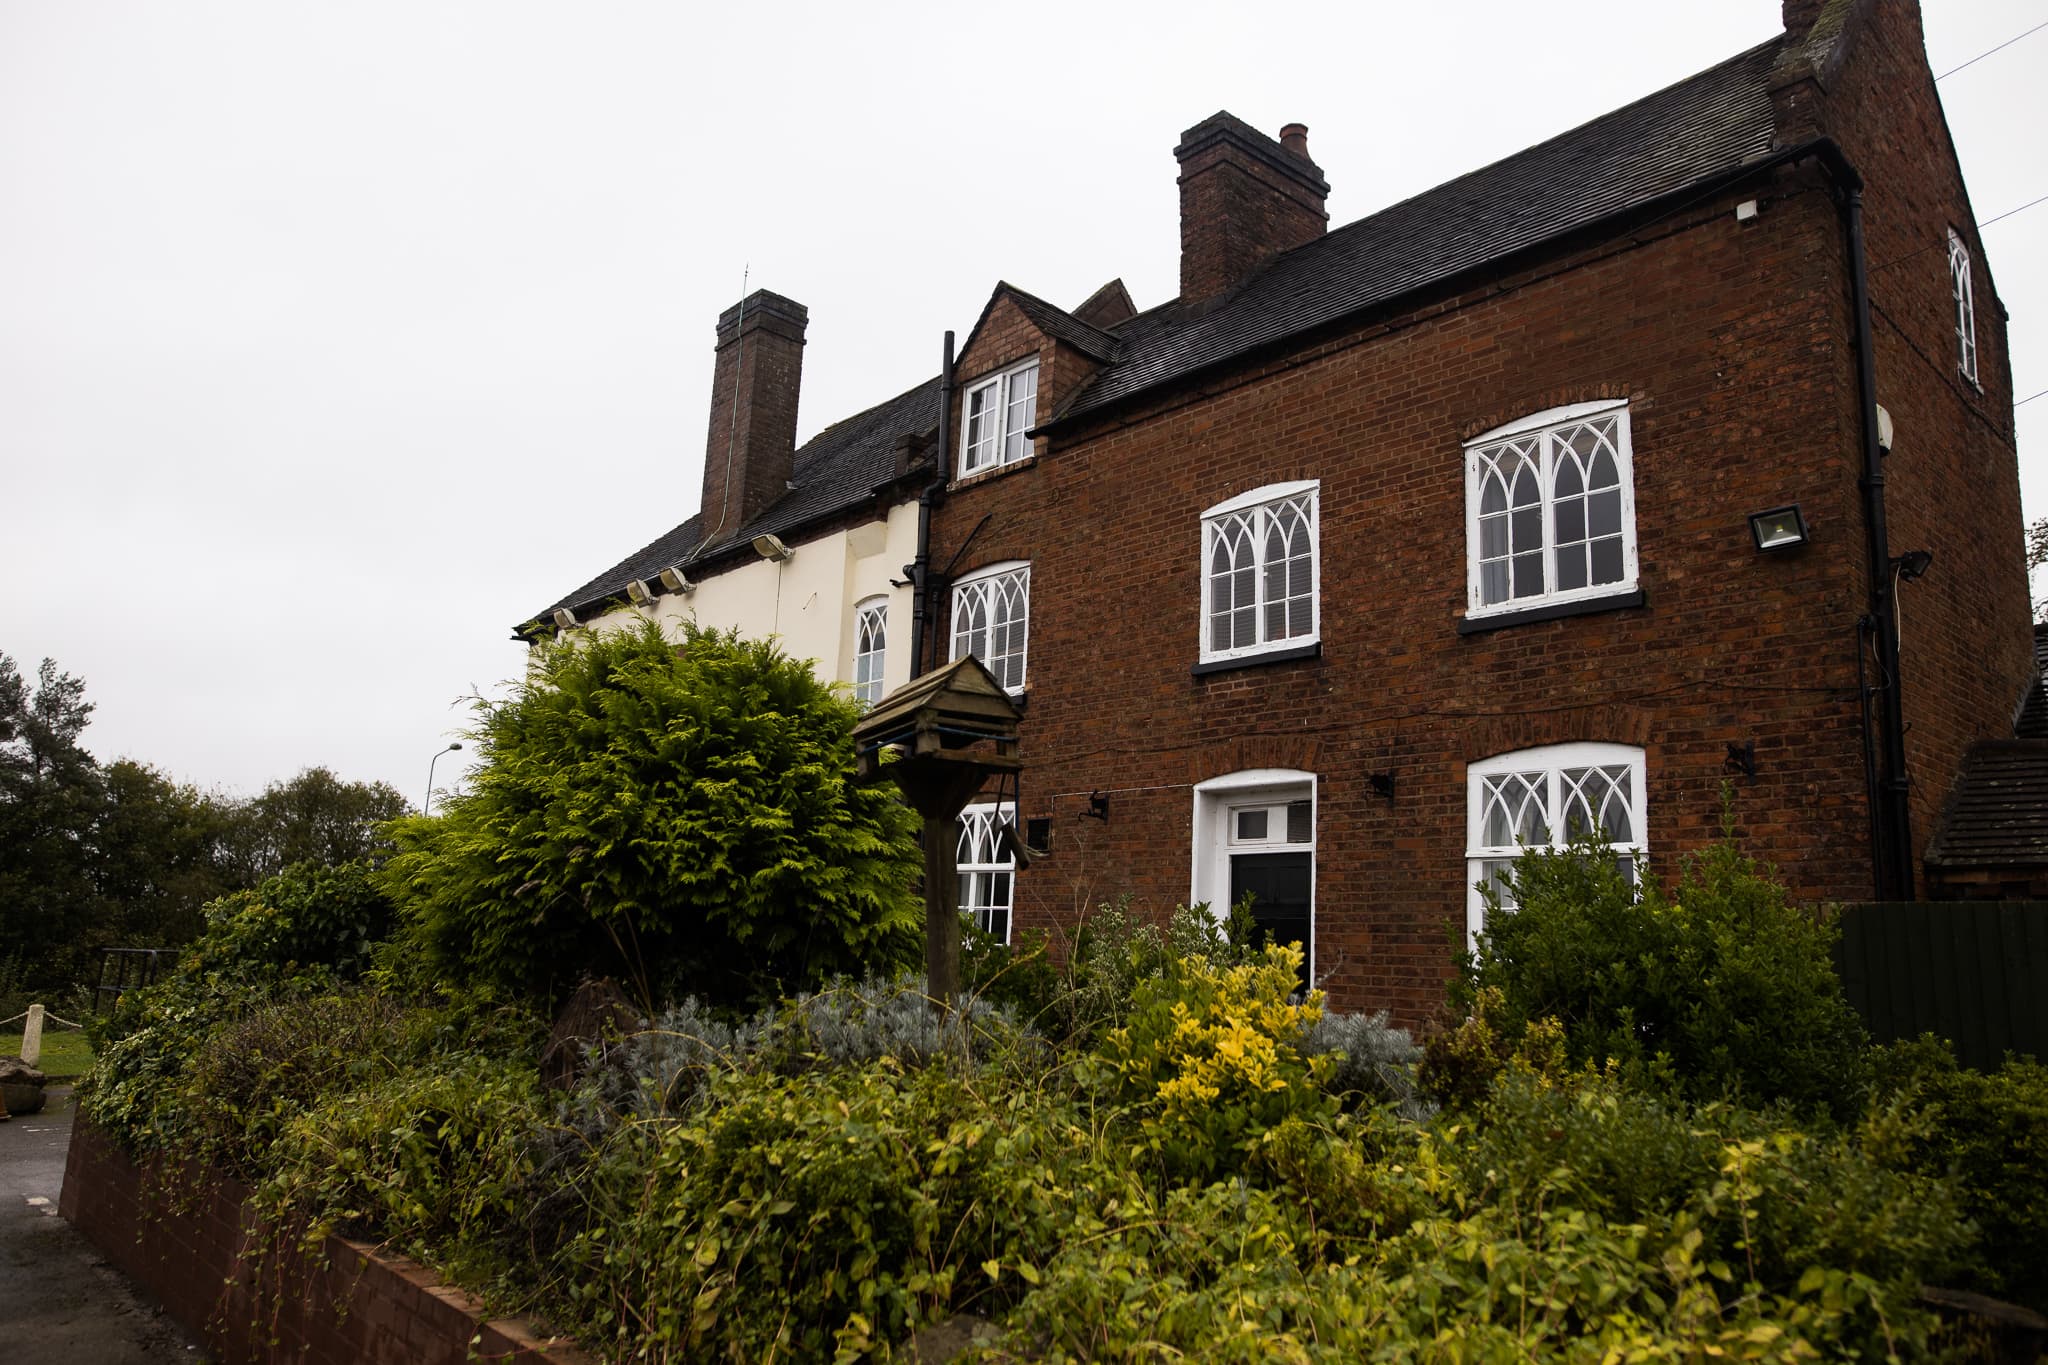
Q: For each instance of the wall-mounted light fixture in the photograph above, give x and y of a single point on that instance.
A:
(639, 592)
(1912, 564)
(1098, 806)
(1781, 528)
(564, 619)
(672, 580)
(771, 548)
(1741, 758)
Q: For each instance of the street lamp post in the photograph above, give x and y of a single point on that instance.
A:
(427, 807)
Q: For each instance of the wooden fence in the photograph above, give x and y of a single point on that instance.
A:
(1975, 972)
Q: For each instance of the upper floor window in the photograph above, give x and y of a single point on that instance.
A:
(870, 648)
(998, 411)
(991, 620)
(1966, 314)
(1550, 511)
(1545, 798)
(1259, 571)
(988, 873)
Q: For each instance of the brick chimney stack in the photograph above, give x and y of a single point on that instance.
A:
(1244, 198)
(1800, 14)
(751, 449)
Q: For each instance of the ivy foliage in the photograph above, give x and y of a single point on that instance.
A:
(1720, 987)
(682, 815)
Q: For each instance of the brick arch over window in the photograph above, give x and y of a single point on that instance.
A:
(1614, 722)
(1253, 751)
(1545, 399)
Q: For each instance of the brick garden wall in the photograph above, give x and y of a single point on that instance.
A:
(184, 1242)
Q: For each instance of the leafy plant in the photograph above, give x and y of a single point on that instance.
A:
(1989, 1130)
(682, 815)
(1723, 987)
(1212, 1057)
(309, 916)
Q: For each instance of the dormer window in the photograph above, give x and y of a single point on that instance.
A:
(997, 412)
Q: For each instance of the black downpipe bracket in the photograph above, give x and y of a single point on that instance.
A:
(920, 570)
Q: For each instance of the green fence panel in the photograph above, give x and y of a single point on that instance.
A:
(1975, 972)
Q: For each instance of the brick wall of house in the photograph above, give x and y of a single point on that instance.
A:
(1952, 481)
(188, 1238)
(1738, 403)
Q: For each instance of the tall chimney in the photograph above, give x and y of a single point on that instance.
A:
(1799, 17)
(1244, 199)
(751, 450)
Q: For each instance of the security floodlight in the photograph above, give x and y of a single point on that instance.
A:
(771, 548)
(639, 592)
(564, 619)
(1781, 528)
(672, 580)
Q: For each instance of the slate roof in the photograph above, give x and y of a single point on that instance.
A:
(1997, 815)
(833, 471)
(1706, 125)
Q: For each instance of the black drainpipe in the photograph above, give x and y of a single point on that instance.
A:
(1891, 853)
(920, 571)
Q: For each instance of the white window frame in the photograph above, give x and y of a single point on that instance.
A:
(1550, 762)
(1216, 802)
(994, 415)
(1253, 514)
(993, 587)
(870, 649)
(980, 861)
(1544, 428)
(1965, 301)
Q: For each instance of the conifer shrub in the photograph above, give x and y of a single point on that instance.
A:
(680, 816)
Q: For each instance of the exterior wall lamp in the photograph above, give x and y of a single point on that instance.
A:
(771, 548)
(1912, 564)
(1781, 528)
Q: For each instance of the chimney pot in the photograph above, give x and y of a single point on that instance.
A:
(1294, 137)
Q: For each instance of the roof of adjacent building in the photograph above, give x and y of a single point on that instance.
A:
(2033, 721)
(1997, 814)
(1704, 127)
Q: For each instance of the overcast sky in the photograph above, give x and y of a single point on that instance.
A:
(335, 339)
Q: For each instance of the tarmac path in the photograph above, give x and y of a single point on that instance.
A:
(60, 1302)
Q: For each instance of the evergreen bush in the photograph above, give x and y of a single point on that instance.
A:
(1722, 987)
(682, 816)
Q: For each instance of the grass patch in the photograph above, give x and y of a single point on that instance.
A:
(66, 1053)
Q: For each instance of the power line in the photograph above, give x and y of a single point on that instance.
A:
(2030, 398)
(2000, 48)
(1943, 242)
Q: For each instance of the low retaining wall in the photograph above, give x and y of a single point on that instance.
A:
(363, 1307)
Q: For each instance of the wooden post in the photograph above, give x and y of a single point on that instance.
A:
(942, 909)
(32, 1027)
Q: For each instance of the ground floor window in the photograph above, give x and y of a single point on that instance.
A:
(988, 873)
(1545, 798)
(1255, 835)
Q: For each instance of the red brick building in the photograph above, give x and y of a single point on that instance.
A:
(1385, 548)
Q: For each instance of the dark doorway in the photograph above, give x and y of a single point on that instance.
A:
(1280, 885)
